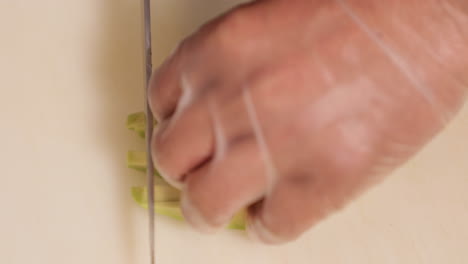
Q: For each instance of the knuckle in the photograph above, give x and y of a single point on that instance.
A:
(233, 32)
(207, 208)
(351, 148)
(236, 21)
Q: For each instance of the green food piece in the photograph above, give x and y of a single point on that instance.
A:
(137, 160)
(137, 122)
(165, 206)
(238, 221)
(162, 193)
(171, 209)
(166, 197)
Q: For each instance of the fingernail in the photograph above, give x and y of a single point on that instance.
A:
(194, 217)
(257, 231)
(175, 183)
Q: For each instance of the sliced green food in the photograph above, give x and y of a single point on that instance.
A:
(162, 193)
(166, 197)
(137, 160)
(238, 221)
(167, 204)
(137, 122)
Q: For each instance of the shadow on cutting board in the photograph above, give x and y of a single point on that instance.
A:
(120, 75)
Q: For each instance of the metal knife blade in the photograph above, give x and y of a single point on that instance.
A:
(149, 127)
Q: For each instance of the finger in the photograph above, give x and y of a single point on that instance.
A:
(165, 85)
(294, 206)
(182, 143)
(215, 192)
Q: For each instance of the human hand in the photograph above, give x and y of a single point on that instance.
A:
(295, 107)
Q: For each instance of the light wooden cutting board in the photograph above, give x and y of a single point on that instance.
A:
(70, 72)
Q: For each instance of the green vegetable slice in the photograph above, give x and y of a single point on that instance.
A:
(166, 197)
(137, 122)
(137, 160)
(162, 193)
(167, 204)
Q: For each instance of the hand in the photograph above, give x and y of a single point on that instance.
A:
(294, 107)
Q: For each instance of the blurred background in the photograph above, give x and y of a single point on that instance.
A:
(71, 71)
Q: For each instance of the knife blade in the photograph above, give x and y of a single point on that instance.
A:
(149, 127)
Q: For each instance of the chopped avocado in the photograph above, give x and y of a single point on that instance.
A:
(166, 197)
(238, 221)
(137, 122)
(167, 203)
(162, 193)
(168, 206)
(137, 160)
(171, 209)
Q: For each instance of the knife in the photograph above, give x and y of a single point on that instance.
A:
(149, 127)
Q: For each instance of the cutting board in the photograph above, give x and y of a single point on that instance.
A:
(70, 73)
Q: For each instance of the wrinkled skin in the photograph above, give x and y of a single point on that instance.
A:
(295, 107)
